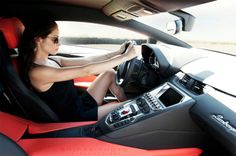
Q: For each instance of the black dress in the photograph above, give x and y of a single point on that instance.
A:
(65, 101)
(63, 98)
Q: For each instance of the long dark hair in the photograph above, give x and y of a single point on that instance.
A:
(33, 30)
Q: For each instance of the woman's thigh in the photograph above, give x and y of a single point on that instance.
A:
(100, 86)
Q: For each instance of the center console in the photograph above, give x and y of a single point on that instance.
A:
(145, 105)
(156, 119)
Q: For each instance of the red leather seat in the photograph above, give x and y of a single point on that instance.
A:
(84, 82)
(15, 127)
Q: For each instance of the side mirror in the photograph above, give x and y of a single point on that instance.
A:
(174, 27)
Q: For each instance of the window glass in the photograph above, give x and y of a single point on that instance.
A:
(214, 26)
(158, 21)
(96, 35)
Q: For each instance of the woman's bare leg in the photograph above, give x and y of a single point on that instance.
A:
(102, 83)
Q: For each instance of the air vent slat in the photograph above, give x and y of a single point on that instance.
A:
(193, 85)
(184, 81)
(197, 87)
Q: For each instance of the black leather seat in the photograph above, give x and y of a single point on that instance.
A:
(22, 101)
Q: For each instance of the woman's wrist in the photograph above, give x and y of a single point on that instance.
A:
(117, 52)
(126, 56)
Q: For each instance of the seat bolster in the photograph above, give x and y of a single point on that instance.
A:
(92, 147)
(12, 126)
(36, 128)
(12, 29)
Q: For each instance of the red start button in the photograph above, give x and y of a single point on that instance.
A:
(125, 112)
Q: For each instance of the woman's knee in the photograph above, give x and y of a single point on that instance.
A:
(110, 74)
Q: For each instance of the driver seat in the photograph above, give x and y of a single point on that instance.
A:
(21, 101)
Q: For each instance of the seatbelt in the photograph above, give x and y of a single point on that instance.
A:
(6, 105)
(4, 99)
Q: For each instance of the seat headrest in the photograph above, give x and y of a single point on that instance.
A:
(12, 29)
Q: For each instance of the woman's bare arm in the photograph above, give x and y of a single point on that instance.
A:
(43, 75)
(68, 62)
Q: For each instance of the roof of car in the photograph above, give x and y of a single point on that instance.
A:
(129, 8)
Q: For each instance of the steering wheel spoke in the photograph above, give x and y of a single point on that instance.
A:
(125, 71)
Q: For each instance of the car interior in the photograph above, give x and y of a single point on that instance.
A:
(181, 100)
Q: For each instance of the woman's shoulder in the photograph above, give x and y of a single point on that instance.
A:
(39, 76)
(41, 69)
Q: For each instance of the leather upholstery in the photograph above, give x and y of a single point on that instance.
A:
(12, 29)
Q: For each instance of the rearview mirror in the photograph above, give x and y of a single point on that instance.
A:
(174, 27)
(186, 18)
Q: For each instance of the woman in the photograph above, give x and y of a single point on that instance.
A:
(52, 76)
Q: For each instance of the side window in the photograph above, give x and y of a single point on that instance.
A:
(96, 35)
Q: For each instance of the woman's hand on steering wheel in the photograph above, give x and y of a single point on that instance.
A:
(124, 47)
(124, 70)
(130, 52)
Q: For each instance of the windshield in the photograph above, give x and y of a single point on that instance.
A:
(214, 27)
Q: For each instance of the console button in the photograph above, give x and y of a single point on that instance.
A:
(146, 109)
(125, 112)
(134, 112)
(114, 116)
(143, 106)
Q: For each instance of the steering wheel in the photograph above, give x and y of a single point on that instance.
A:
(125, 72)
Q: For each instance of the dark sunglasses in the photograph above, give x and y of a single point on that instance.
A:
(55, 40)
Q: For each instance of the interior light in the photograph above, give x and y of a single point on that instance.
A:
(147, 12)
(121, 16)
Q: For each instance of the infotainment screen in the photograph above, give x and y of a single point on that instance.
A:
(170, 97)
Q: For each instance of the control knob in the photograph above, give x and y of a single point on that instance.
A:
(115, 116)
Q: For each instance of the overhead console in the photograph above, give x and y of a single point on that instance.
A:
(126, 10)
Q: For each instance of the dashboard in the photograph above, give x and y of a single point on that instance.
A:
(198, 99)
(208, 78)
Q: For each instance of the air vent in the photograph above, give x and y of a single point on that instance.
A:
(197, 87)
(184, 81)
(192, 85)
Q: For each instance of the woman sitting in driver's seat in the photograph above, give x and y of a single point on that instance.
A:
(52, 76)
